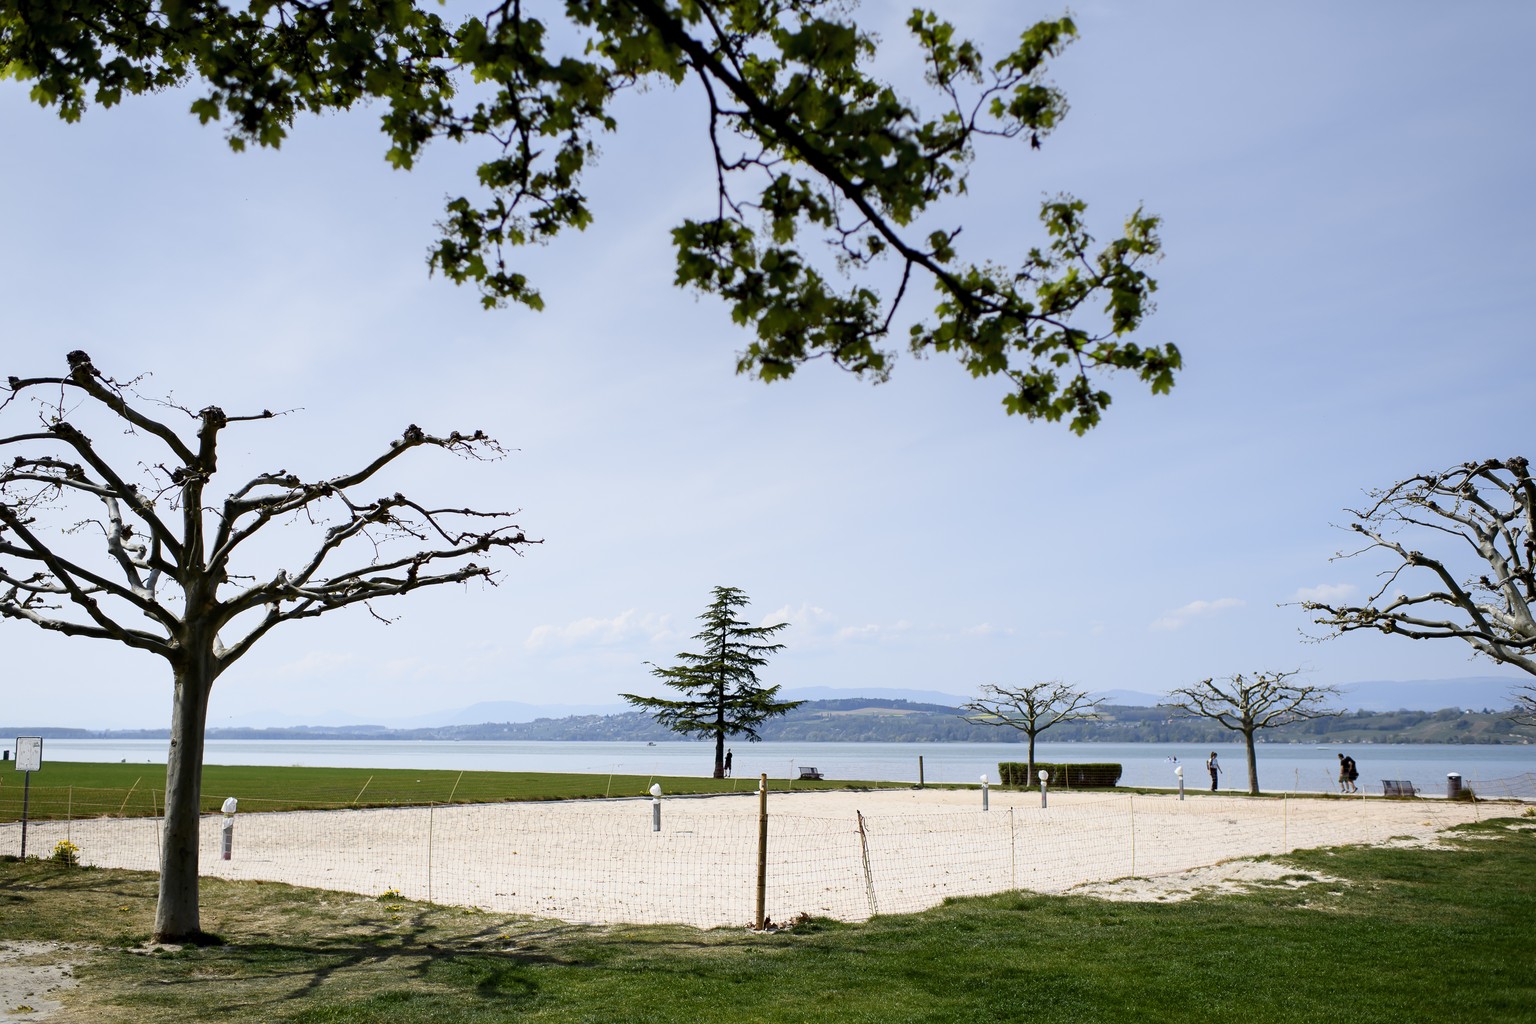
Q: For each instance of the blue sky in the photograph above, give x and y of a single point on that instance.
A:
(1348, 216)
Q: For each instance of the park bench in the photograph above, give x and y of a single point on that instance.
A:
(1397, 787)
(809, 773)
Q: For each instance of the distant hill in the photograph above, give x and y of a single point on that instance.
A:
(869, 719)
(1476, 692)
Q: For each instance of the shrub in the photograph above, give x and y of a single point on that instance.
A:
(1072, 776)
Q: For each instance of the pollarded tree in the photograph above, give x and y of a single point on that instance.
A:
(1480, 586)
(1031, 709)
(830, 184)
(134, 541)
(1244, 704)
(724, 697)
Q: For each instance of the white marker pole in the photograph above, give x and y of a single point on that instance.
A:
(1044, 775)
(984, 793)
(655, 807)
(227, 828)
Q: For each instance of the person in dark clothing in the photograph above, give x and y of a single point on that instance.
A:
(1348, 773)
(1214, 769)
(727, 764)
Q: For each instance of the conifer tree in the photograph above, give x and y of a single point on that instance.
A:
(723, 695)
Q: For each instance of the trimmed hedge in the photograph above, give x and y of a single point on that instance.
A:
(1072, 776)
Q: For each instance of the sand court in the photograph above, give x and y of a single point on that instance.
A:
(846, 855)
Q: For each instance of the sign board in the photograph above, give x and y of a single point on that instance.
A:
(29, 753)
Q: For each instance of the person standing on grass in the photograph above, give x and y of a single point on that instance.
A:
(1214, 768)
(727, 764)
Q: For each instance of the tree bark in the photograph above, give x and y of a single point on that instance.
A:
(1030, 777)
(1253, 764)
(720, 741)
(176, 915)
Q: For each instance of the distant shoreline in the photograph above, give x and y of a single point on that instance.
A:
(879, 724)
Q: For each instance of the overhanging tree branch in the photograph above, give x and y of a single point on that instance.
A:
(844, 161)
(1483, 588)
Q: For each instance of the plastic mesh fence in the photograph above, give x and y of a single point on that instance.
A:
(602, 861)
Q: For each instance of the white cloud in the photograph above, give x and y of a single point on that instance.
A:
(623, 628)
(987, 629)
(806, 618)
(874, 632)
(1195, 609)
(812, 626)
(1326, 593)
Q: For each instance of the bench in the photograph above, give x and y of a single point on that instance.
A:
(809, 773)
(1397, 787)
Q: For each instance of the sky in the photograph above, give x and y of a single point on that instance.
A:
(1347, 212)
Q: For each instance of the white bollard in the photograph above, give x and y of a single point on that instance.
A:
(1179, 771)
(984, 792)
(656, 807)
(1044, 775)
(227, 829)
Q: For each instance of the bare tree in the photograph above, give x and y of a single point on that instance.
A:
(139, 549)
(1480, 590)
(1245, 705)
(1031, 709)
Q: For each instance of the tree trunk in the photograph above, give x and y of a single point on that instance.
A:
(1029, 777)
(1253, 765)
(720, 719)
(176, 916)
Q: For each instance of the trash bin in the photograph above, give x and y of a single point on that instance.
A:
(1452, 786)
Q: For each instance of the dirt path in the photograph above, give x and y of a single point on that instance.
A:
(32, 976)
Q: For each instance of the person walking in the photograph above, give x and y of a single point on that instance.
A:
(1348, 773)
(1214, 768)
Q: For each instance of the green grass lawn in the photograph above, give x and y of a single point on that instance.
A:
(81, 789)
(1402, 935)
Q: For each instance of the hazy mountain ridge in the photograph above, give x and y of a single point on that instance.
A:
(867, 719)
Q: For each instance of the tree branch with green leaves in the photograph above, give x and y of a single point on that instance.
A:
(722, 696)
(832, 191)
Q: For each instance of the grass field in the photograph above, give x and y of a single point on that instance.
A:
(1370, 935)
(76, 789)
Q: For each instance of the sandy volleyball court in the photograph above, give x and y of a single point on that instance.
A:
(846, 855)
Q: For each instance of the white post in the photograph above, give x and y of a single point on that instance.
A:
(984, 793)
(655, 807)
(227, 829)
(1044, 775)
(1179, 771)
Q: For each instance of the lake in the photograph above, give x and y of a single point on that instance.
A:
(1283, 767)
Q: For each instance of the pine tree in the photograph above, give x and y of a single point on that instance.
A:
(723, 696)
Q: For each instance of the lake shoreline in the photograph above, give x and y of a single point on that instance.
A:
(1283, 767)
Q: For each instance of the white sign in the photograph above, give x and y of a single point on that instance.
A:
(29, 753)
